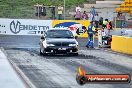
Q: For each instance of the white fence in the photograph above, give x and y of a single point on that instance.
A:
(24, 26)
(38, 27)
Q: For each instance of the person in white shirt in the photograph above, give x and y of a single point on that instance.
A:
(78, 8)
(103, 33)
(90, 16)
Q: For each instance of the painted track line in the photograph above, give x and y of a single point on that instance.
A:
(22, 76)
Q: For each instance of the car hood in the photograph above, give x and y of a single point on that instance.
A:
(61, 40)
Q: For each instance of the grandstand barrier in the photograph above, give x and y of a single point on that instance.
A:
(100, 5)
(126, 6)
(109, 2)
(128, 2)
(122, 44)
(127, 9)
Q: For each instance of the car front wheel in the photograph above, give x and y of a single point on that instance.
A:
(44, 53)
(73, 54)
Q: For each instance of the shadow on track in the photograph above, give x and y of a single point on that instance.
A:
(34, 51)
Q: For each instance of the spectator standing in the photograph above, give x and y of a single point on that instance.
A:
(118, 15)
(60, 12)
(96, 18)
(103, 32)
(122, 19)
(105, 23)
(90, 15)
(84, 16)
(108, 27)
(111, 26)
(100, 22)
(77, 15)
(78, 8)
(93, 12)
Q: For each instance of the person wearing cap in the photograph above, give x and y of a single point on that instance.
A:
(84, 16)
(105, 23)
(60, 12)
(90, 32)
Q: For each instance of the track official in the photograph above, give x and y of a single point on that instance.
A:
(90, 31)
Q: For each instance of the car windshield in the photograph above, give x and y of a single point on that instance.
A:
(59, 34)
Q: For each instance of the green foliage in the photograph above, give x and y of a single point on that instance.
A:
(25, 8)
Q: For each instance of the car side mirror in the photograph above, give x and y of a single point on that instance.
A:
(76, 37)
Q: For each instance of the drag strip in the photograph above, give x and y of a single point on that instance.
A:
(59, 71)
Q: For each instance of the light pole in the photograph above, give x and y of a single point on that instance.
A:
(64, 8)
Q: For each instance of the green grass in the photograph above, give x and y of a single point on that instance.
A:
(25, 8)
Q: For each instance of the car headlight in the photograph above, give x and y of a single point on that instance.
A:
(50, 44)
(72, 44)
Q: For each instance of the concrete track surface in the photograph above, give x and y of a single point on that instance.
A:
(59, 71)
